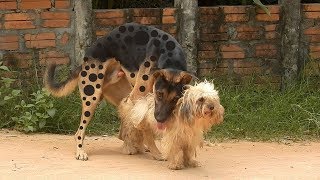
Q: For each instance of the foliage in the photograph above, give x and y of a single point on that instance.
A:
(24, 112)
(34, 113)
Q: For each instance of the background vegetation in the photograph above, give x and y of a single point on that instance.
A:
(253, 111)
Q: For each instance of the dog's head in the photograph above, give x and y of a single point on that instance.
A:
(168, 88)
(201, 105)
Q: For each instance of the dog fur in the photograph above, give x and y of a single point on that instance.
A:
(195, 113)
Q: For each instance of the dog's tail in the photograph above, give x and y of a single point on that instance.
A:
(63, 88)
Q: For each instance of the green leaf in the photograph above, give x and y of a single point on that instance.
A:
(5, 68)
(6, 98)
(15, 92)
(30, 128)
(262, 6)
(29, 105)
(51, 112)
(42, 124)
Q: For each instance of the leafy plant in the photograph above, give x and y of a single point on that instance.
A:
(35, 113)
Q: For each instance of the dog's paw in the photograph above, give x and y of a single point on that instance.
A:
(158, 157)
(81, 155)
(129, 150)
(193, 163)
(175, 166)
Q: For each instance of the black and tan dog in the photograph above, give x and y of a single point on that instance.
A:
(137, 48)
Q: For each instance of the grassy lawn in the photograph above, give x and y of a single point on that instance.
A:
(252, 112)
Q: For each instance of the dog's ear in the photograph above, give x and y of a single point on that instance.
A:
(185, 77)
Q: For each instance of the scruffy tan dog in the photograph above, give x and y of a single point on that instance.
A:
(195, 113)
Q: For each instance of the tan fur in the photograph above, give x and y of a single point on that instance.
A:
(184, 131)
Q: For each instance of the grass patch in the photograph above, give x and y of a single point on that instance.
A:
(262, 112)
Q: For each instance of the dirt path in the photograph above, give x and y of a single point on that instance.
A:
(52, 157)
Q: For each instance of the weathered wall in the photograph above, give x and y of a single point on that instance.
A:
(233, 40)
(36, 30)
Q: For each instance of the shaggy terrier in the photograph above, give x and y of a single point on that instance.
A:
(195, 113)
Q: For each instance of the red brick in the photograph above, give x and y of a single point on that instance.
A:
(102, 14)
(210, 10)
(169, 11)
(244, 63)
(206, 46)
(19, 25)
(208, 19)
(230, 48)
(266, 53)
(273, 9)
(53, 56)
(271, 27)
(315, 55)
(40, 36)
(312, 15)
(110, 22)
(55, 15)
(55, 23)
(43, 4)
(206, 54)
(64, 39)
(9, 45)
(236, 18)
(248, 28)
(266, 17)
(62, 4)
(146, 12)
(235, 9)
(311, 7)
(271, 35)
(41, 44)
(102, 32)
(214, 37)
(314, 38)
(168, 20)
(8, 5)
(169, 29)
(248, 35)
(312, 30)
(145, 20)
(18, 17)
(9, 38)
(314, 48)
(233, 55)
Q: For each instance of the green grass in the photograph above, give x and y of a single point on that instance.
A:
(252, 112)
(255, 112)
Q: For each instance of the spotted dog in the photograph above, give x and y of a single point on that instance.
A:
(136, 47)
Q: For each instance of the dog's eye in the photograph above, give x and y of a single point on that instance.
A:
(201, 100)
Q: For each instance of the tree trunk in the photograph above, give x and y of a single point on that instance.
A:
(290, 39)
(83, 28)
(187, 30)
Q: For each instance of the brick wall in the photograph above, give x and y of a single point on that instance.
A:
(36, 30)
(164, 19)
(233, 40)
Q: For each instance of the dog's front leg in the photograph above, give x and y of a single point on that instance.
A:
(148, 138)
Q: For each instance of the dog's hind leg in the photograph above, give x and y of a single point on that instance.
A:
(90, 86)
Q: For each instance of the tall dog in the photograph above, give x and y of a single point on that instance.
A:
(194, 114)
(136, 47)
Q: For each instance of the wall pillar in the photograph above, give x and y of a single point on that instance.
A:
(83, 28)
(187, 11)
